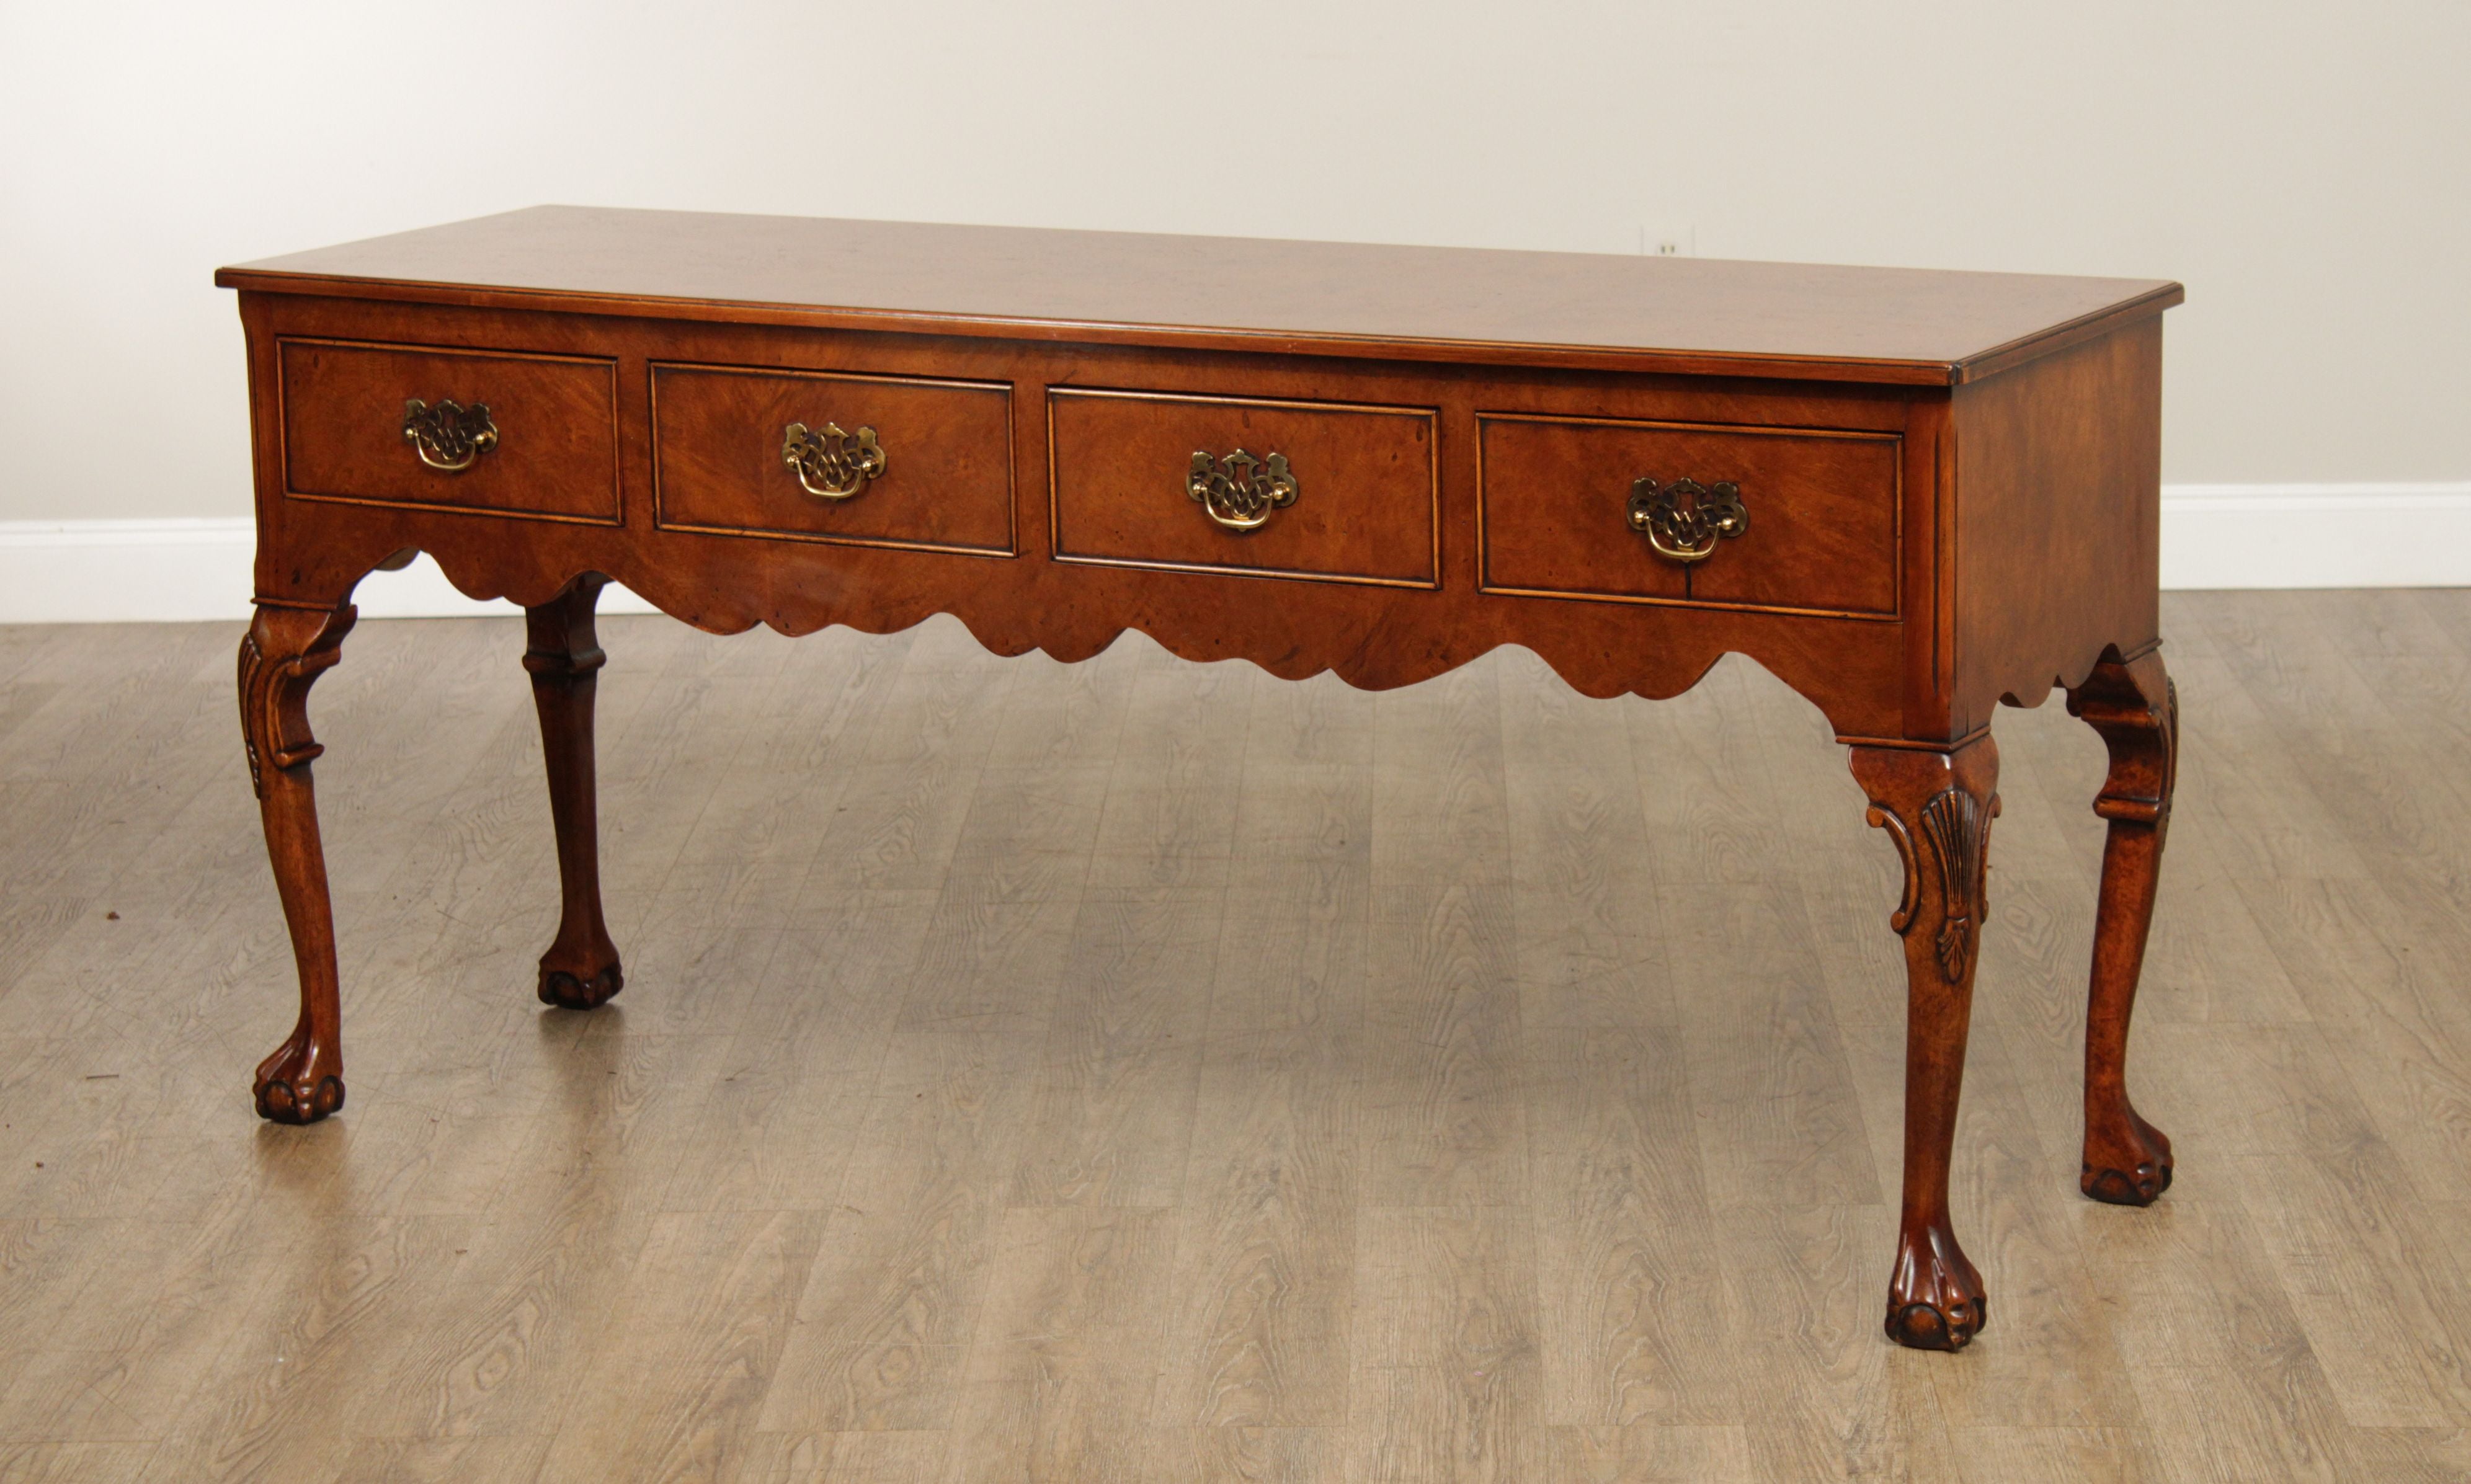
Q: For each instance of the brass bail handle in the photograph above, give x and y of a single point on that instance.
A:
(447, 436)
(1687, 534)
(831, 464)
(1239, 491)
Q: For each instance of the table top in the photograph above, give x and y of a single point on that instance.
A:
(1658, 314)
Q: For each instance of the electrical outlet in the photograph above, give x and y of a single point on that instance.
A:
(1669, 242)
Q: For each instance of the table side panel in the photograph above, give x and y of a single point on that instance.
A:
(2057, 521)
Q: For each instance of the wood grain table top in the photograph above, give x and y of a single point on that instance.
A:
(1692, 315)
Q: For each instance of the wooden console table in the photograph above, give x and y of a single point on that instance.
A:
(1910, 495)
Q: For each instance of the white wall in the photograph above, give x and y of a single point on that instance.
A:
(2301, 167)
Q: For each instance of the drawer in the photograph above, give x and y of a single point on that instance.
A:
(1819, 507)
(541, 430)
(940, 452)
(1358, 503)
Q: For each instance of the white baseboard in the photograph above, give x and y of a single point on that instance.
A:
(2213, 535)
(2317, 535)
(186, 571)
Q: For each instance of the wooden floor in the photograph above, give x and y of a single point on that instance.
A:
(1151, 1072)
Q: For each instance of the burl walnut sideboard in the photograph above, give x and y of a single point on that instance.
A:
(1910, 495)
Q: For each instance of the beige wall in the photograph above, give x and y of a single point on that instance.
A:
(2302, 168)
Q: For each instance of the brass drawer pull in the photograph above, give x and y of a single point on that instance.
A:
(1239, 491)
(447, 436)
(1687, 534)
(831, 464)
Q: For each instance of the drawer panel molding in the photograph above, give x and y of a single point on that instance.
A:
(843, 457)
(513, 433)
(1782, 519)
(1249, 486)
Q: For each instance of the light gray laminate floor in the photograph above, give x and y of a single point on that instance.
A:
(1153, 1072)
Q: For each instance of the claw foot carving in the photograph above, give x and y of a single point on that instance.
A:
(2127, 1164)
(301, 1083)
(583, 991)
(1935, 1299)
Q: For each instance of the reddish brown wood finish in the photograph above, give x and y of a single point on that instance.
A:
(1937, 807)
(581, 969)
(557, 419)
(1823, 513)
(284, 652)
(1694, 316)
(947, 484)
(1367, 508)
(1851, 670)
(1952, 479)
(2136, 709)
(2059, 464)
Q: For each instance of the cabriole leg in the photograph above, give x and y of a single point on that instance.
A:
(282, 656)
(1937, 807)
(563, 654)
(2136, 709)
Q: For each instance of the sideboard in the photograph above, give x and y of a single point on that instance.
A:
(1911, 495)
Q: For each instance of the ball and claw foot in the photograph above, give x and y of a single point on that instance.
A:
(1935, 1301)
(301, 1083)
(2129, 1166)
(1927, 1327)
(580, 991)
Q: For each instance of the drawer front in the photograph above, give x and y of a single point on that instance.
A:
(550, 453)
(940, 454)
(1323, 492)
(1818, 534)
